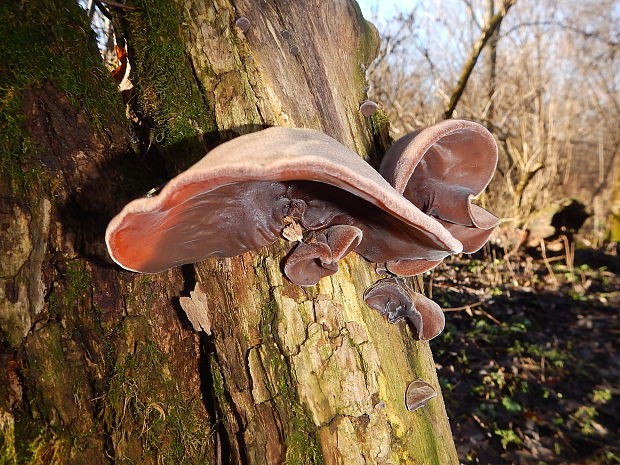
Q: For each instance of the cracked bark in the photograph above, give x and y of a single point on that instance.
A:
(102, 366)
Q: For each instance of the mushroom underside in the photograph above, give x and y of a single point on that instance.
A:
(454, 152)
(418, 393)
(192, 225)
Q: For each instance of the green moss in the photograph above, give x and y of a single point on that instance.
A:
(367, 48)
(34, 445)
(144, 406)
(302, 448)
(8, 454)
(371, 39)
(140, 296)
(380, 119)
(433, 444)
(218, 383)
(37, 447)
(17, 152)
(78, 283)
(369, 45)
(45, 41)
(73, 291)
(268, 317)
(168, 92)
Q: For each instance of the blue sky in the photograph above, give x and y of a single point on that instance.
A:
(385, 8)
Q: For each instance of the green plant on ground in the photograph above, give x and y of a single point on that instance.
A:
(508, 436)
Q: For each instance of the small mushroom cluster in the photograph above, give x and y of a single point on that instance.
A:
(303, 184)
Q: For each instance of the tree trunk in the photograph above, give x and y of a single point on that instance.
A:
(614, 224)
(101, 365)
(490, 61)
(487, 33)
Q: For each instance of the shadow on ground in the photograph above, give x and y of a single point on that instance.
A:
(530, 359)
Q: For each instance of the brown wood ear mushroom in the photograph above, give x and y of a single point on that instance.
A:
(441, 169)
(309, 262)
(243, 193)
(419, 392)
(396, 302)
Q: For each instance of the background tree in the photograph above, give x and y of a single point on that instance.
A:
(100, 365)
(554, 104)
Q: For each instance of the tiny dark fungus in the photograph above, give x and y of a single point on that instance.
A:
(418, 393)
(441, 169)
(368, 107)
(396, 301)
(243, 23)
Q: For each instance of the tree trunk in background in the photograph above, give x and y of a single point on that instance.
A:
(490, 60)
(100, 365)
(614, 226)
(487, 34)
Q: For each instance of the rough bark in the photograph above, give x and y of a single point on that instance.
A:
(101, 365)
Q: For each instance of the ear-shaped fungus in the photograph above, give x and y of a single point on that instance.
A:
(310, 262)
(419, 392)
(441, 169)
(396, 301)
(241, 195)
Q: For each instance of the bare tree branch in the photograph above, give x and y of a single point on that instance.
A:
(577, 30)
(485, 35)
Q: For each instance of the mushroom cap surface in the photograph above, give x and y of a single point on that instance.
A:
(418, 393)
(235, 200)
(309, 262)
(392, 298)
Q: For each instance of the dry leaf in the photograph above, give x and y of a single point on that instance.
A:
(293, 230)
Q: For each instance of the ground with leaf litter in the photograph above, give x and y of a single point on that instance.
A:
(530, 359)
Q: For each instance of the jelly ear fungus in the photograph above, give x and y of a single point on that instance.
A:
(243, 193)
(393, 299)
(440, 169)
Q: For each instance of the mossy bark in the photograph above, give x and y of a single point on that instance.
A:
(99, 364)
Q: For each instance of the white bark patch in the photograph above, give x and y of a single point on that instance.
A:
(196, 308)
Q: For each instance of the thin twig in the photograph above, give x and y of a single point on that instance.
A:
(430, 286)
(117, 5)
(489, 316)
(468, 309)
(464, 307)
(547, 264)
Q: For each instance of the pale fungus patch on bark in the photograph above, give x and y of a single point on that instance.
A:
(293, 231)
(243, 24)
(368, 107)
(15, 246)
